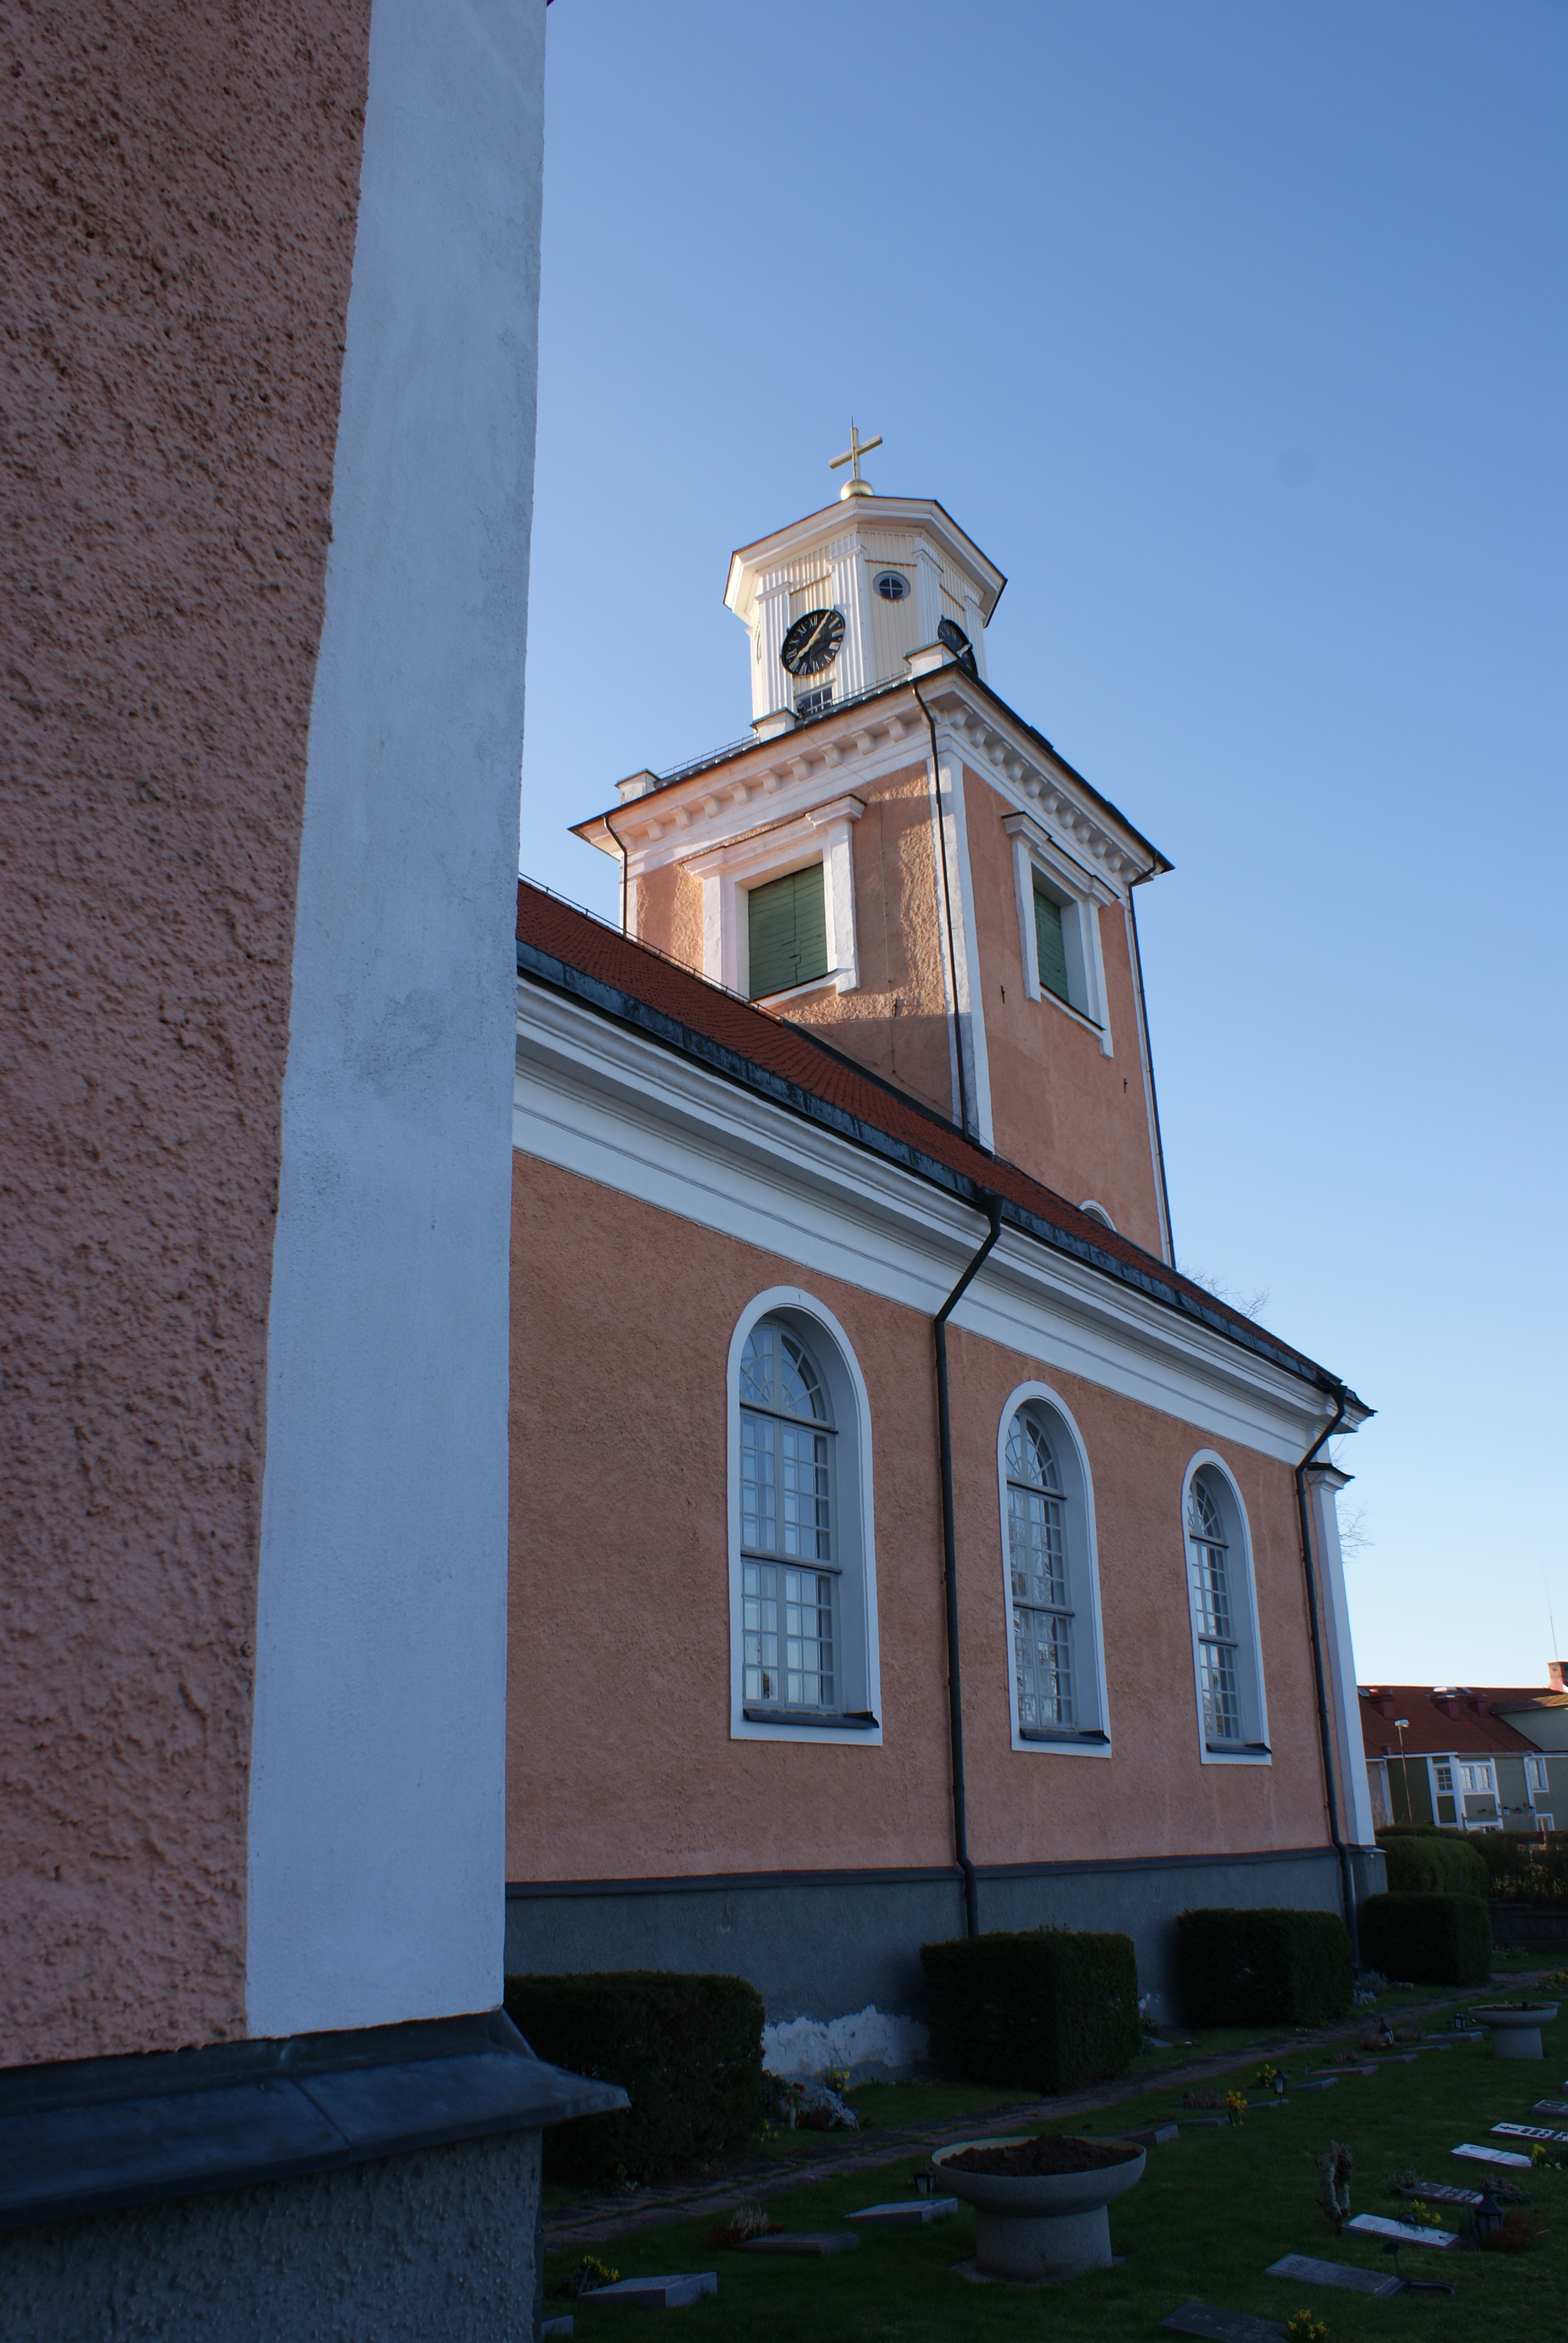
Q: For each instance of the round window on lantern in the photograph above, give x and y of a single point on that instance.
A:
(891, 585)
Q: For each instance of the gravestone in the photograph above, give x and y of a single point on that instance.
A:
(1217, 2326)
(1159, 2134)
(657, 2293)
(1335, 2072)
(812, 2245)
(1438, 2192)
(1342, 2274)
(1203, 2123)
(1403, 2233)
(1474, 2154)
(1530, 2131)
(1326, 2084)
(905, 2216)
(1550, 2107)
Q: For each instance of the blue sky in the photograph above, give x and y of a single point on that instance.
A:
(1236, 335)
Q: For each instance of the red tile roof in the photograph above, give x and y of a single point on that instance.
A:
(558, 942)
(1438, 1722)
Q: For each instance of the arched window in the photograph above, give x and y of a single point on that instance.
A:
(803, 1599)
(788, 1566)
(1036, 1564)
(1056, 1664)
(1225, 1653)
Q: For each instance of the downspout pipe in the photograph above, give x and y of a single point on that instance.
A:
(1325, 1727)
(992, 1205)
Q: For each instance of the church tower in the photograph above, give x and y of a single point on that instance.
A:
(897, 860)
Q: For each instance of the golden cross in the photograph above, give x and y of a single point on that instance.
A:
(855, 485)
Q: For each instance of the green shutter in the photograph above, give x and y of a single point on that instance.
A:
(788, 926)
(1049, 946)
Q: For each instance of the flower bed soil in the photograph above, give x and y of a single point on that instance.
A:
(1049, 2152)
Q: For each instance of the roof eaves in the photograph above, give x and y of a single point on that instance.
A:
(612, 1000)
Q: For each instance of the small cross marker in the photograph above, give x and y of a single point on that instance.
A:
(855, 485)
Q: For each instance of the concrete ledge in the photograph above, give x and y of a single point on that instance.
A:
(99, 2135)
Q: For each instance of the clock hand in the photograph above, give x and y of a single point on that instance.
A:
(810, 641)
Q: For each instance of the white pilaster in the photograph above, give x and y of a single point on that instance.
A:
(838, 888)
(769, 683)
(851, 593)
(927, 594)
(1324, 1482)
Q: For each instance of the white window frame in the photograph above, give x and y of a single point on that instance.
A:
(1040, 867)
(1244, 1597)
(860, 1658)
(728, 874)
(1083, 1571)
(1482, 1789)
(1537, 1781)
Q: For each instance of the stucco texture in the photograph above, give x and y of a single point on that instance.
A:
(437, 2246)
(621, 1764)
(180, 205)
(1063, 1112)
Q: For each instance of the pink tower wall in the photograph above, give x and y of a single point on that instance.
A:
(182, 192)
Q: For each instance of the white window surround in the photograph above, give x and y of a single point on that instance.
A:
(1083, 1568)
(1535, 1777)
(1041, 867)
(1098, 1213)
(860, 1659)
(823, 835)
(1244, 1600)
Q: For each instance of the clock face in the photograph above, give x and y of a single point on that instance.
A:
(812, 642)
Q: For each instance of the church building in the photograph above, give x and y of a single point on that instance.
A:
(900, 1543)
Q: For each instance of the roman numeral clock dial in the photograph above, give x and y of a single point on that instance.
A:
(812, 642)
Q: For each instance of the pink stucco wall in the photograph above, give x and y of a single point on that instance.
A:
(181, 195)
(1060, 1108)
(620, 1763)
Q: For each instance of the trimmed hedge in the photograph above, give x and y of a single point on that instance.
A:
(688, 2049)
(1432, 1863)
(1043, 2009)
(1268, 1965)
(1429, 1939)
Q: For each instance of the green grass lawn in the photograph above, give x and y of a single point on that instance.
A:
(1209, 2214)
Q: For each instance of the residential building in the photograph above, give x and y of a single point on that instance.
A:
(1467, 1758)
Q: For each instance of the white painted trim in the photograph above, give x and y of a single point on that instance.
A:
(1146, 1063)
(787, 773)
(821, 834)
(1097, 1211)
(1043, 1396)
(857, 1510)
(595, 1097)
(1206, 1460)
(378, 1772)
(1034, 853)
(1323, 1485)
(950, 828)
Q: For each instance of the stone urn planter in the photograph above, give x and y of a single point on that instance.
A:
(1033, 2226)
(1515, 2029)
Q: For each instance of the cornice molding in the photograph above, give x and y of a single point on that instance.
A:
(600, 1097)
(768, 781)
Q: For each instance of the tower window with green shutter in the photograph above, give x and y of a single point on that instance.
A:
(787, 923)
(1051, 946)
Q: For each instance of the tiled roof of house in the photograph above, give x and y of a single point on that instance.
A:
(560, 945)
(1461, 1720)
